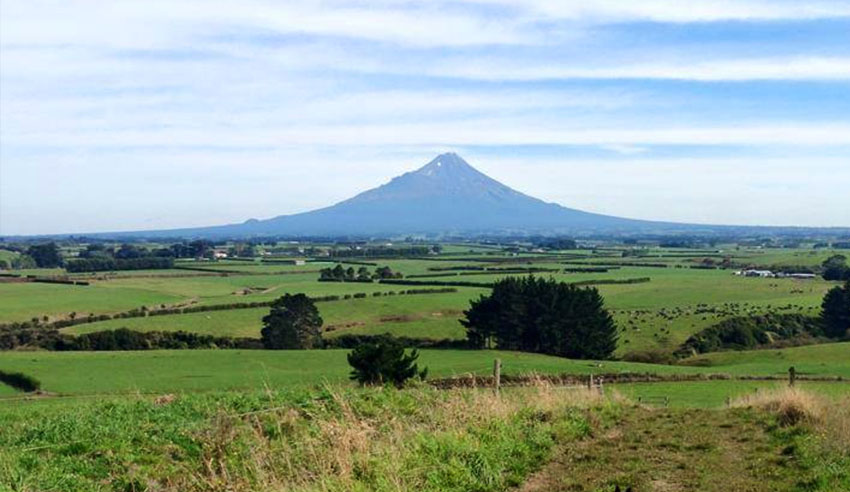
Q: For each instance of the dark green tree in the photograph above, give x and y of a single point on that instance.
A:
(384, 362)
(835, 268)
(45, 255)
(836, 311)
(292, 323)
(536, 315)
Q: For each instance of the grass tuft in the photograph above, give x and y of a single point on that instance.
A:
(791, 406)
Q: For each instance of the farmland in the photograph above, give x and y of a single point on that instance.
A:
(676, 297)
(661, 312)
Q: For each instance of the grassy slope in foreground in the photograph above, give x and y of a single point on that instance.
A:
(203, 370)
(330, 439)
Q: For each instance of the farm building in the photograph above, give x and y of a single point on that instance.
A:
(755, 273)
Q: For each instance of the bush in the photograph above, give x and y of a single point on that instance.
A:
(650, 356)
(20, 381)
(384, 361)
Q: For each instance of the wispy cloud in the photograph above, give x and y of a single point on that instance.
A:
(93, 90)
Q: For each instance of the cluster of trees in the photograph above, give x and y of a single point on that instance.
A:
(384, 251)
(555, 243)
(45, 255)
(362, 274)
(835, 268)
(195, 249)
(113, 264)
(546, 316)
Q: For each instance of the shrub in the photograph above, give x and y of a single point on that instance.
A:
(650, 356)
(20, 381)
(384, 361)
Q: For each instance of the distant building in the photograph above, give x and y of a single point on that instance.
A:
(803, 276)
(755, 273)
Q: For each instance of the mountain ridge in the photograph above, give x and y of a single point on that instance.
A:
(446, 196)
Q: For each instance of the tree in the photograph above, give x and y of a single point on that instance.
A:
(835, 268)
(836, 311)
(292, 323)
(536, 315)
(384, 362)
(45, 255)
(128, 252)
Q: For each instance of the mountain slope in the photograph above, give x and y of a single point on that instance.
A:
(447, 195)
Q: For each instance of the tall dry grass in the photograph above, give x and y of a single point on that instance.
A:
(829, 418)
(374, 439)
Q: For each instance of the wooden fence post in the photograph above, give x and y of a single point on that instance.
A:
(792, 376)
(590, 382)
(497, 374)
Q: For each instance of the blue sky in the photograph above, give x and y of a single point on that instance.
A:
(128, 115)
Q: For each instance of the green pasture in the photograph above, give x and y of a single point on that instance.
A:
(206, 370)
(22, 301)
(787, 257)
(830, 358)
(714, 393)
(422, 315)
(659, 313)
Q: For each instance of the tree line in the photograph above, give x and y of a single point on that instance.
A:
(362, 274)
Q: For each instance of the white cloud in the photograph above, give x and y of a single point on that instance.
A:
(91, 89)
(727, 190)
(680, 12)
(723, 69)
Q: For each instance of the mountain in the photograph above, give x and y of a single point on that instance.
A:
(447, 195)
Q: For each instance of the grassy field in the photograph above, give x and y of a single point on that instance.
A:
(204, 370)
(22, 301)
(292, 420)
(425, 316)
(831, 358)
(659, 313)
